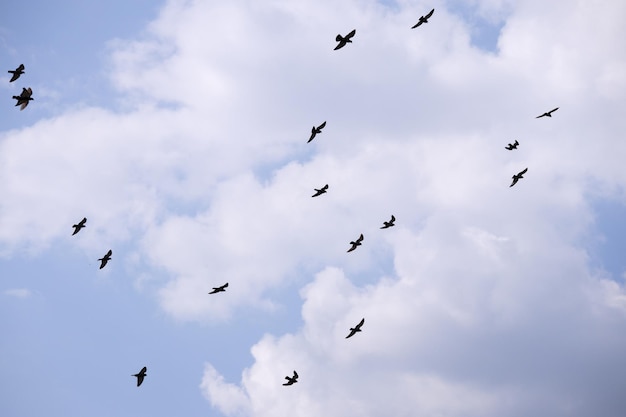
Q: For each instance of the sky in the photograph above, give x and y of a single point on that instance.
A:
(179, 130)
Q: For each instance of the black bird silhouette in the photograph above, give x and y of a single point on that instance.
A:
(389, 223)
(424, 19)
(517, 177)
(106, 258)
(79, 226)
(141, 375)
(356, 328)
(315, 131)
(24, 98)
(320, 191)
(292, 380)
(343, 40)
(357, 243)
(548, 114)
(16, 74)
(512, 146)
(219, 289)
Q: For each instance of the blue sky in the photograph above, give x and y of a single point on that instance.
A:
(179, 130)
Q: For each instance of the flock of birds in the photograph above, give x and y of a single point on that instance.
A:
(26, 96)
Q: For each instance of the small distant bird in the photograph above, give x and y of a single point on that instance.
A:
(548, 114)
(517, 177)
(315, 131)
(424, 19)
(292, 380)
(219, 289)
(512, 146)
(344, 40)
(24, 98)
(356, 328)
(16, 74)
(390, 223)
(357, 243)
(79, 226)
(141, 375)
(320, 191)
(106, 258)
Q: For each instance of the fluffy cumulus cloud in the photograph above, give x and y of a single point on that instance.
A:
(481, 301)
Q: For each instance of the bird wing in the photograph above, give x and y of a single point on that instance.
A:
(553, 110)
(342, 43)
(313, 133)
(321, 126)
(393, 218)
(352, 333)
(325, 187)
(139, 379)
(361, 323)
(429, 14)
(351, 34)
(523, 172)
(339, 38)
(295, 374)
(360, 238)
(225, 285)
(416, 25)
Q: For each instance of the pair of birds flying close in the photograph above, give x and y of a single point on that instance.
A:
(353, 330)
(107, 257)
(219, 289)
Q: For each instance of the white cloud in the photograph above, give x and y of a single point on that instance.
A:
(18, 292)
(481, 300)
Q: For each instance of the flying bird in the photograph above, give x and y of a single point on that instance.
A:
(320, 191)
(106, 258)
(517, 177)
(512, 146)
(344, 40)
(390, 223)
(79, 226)
(355, 329)
(424, 19)
(357, 243)
(16, 74)
(141, 375)
(315, 131)
(292, 380)
(548, 114)
(24, 98)
(219, 289)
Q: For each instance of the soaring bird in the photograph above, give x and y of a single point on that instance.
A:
(549, 114)
(219, 289)
(16, 74)
(106, 258)
(315, 131)
(141, 375)
(24, 98)
(292, 380)
(79, 226)
(320, 191)
(344, 40)
(390, 223)
(517, 177)
(424, 19)
(357, 243)
(512, 146)
(356, 328)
